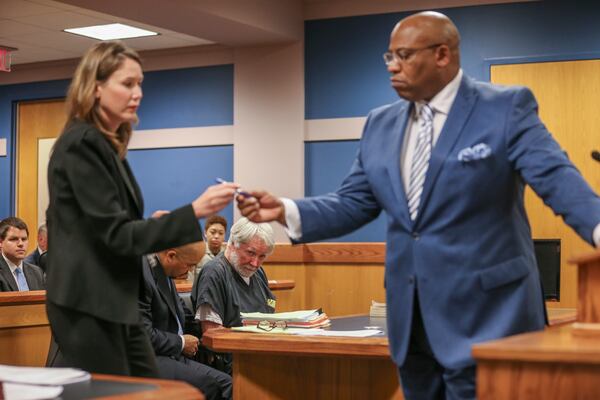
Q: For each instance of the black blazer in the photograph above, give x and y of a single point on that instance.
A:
(159, 310)
(33, 275)
(96, 231)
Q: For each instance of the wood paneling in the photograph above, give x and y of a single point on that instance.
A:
(343, 287)
(289, 300)
(264, 376)
(560, 362)
(557, 381)
(24, 329)
(334, 253)
(567, 93)
(36, 120)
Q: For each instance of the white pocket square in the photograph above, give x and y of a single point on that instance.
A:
(477, 152)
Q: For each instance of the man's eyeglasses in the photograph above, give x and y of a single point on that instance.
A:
(270, 325)
(402, 55)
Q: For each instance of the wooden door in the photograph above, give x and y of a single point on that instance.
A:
(36, 121)
(568, 94)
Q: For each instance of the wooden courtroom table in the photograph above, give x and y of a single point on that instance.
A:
(552, 364)
(24, 329)
(275, 366)
(130, 388)
(561, 362)
(184, 286)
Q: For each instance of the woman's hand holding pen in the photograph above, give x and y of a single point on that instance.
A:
(214, 199)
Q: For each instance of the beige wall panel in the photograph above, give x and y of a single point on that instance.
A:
(44, 151)
(568, 94)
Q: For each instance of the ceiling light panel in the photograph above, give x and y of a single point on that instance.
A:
(111, 32)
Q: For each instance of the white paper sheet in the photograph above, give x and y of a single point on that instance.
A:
(42, 376)
(21, 391)
(311, 332)
(356, 334)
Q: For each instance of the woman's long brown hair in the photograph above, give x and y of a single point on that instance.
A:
(96, 66)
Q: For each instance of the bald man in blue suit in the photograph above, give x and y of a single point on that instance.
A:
(460, 265)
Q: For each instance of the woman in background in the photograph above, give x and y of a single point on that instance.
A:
(95, 220)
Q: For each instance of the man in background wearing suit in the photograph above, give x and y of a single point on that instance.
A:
(15, 274)
(170, 324)
(42, 247)
(448, 163)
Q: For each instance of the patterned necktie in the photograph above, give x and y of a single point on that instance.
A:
(21, 281)
(420, 161)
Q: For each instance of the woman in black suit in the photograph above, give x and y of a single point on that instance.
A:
(95, 220)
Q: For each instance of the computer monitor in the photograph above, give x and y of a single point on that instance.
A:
(547, 254)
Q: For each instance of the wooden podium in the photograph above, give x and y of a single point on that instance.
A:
(558, 363)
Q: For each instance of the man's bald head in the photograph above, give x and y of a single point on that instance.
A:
(178, 261)
(426, 55)
(431, 26)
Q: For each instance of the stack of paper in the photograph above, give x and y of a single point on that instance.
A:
(293, 319)
(377, 309)
(42, 376)
(311, 332)
(17, 381)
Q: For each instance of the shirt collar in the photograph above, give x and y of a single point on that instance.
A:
(12, 266)
(443, 100)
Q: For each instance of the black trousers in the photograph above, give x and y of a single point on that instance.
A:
(99, 346)
(215, 385)
(423, 377)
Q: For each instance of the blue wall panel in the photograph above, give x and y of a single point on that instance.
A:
(345, 75)
(172, 99)
(171, 178)
(187, 97)
(327, 163)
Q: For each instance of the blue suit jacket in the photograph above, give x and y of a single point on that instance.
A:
(469, 251)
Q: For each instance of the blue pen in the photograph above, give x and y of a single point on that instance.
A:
(237, 191)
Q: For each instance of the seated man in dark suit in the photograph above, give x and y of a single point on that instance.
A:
(170, 325)
(15, 274)
(42, 240)
(234, 281)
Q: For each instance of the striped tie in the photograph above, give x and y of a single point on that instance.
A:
(420, 160)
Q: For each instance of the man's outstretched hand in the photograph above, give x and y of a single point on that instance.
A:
(261, 206)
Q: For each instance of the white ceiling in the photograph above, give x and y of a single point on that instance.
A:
(34, 27)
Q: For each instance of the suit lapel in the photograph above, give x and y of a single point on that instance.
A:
(134, 187)
(128, 181)
(29, 277)
(453, 128)
(8, 276)
(163, 287)
(396, 141)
